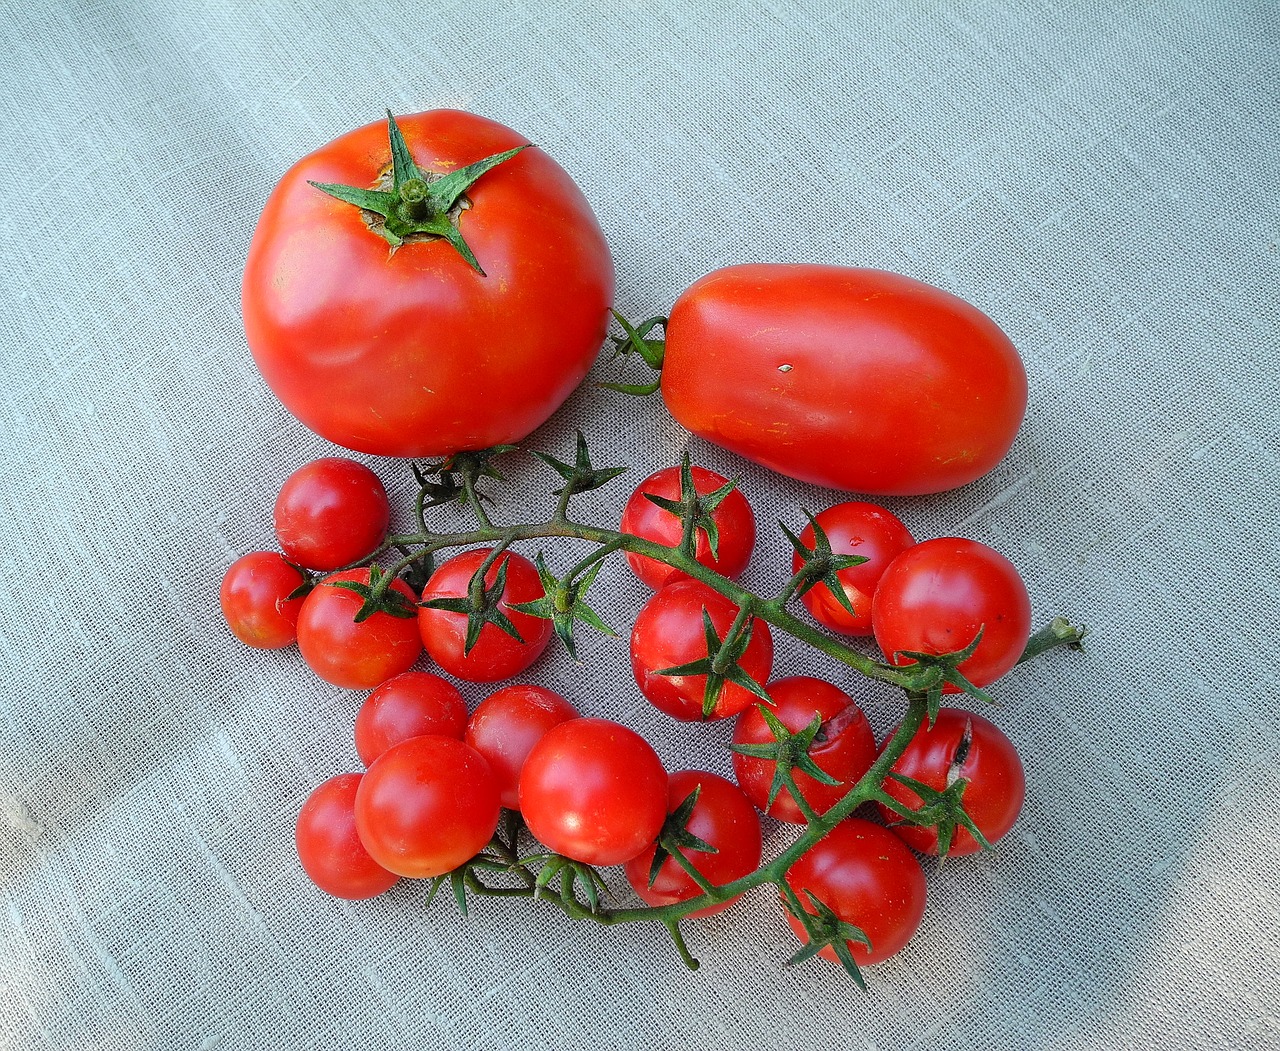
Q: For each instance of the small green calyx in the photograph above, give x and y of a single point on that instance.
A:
(721, 664)
(789, 753)
(417, 205)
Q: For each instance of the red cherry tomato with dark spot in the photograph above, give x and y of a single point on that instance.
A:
(255, 600)
(411, 704)
(329, 848)
(736, 526)
(844, 747)
(990, 764)
(330, 513)
(934, 598)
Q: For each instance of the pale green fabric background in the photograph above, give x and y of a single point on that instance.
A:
(1100, 177)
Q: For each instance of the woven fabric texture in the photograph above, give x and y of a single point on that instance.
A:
(1100, 176)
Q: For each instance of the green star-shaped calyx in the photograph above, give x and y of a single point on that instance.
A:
(417, 202)
(562, 603)
(720, 665)
(821, 565)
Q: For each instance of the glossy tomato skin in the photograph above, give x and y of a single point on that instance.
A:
(411, 704)
(594, 791)
(496, 655)
(254, 596)
(411, 352)
(996, 782)
(935, 596)
(329, 848)
(507, 724)
(867, 876)
(669, 632)
(355, 656)
(330, 513)
(722, 817)
(733, 517)
(853, 528)
(427, 805)
(847, 378)
(845, 746)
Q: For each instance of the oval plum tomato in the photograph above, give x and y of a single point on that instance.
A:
(427, 805)
(869, 879)
(594, 791)
(723, 818)
(960, 745)
(934, 598)
(735, 526)
(329, 848)
(355, 655)
(670, 633)
(853, 528)
(844, 746)
(410, 704)
(495, 655)
(255, 600)
(409, 349)
(846, 378)
(507, 724)
(330, 513)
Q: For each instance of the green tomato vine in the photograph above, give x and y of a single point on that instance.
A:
(574, 888)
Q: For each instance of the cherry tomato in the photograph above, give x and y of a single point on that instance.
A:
(410, 704)
(409, 351)
(255, 600)
(937, 756)
(934, 598)
(851, 379)
(735, 526)
(843, 748)
(357, 656)
(329, 848)
(669, 632)
(427, 805)
(330, 513)
(496, 655)
(868, 878)
(853, 528)
(594, 791)
(507, 724)
(723, 818)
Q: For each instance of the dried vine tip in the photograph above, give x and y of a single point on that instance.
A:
(417, 204)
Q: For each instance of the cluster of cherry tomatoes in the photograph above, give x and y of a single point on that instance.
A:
(592, 790)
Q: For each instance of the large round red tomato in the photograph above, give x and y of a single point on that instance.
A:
(594, 791)
(670, 632)
(426, 805)
(411, 351)
(357, 655)
(843, 748)
(329, 847)
(495, 655)
(935, 597)
(960, 745)
(734, 523)
(868, 878)
(724, 819)
(847, 378)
